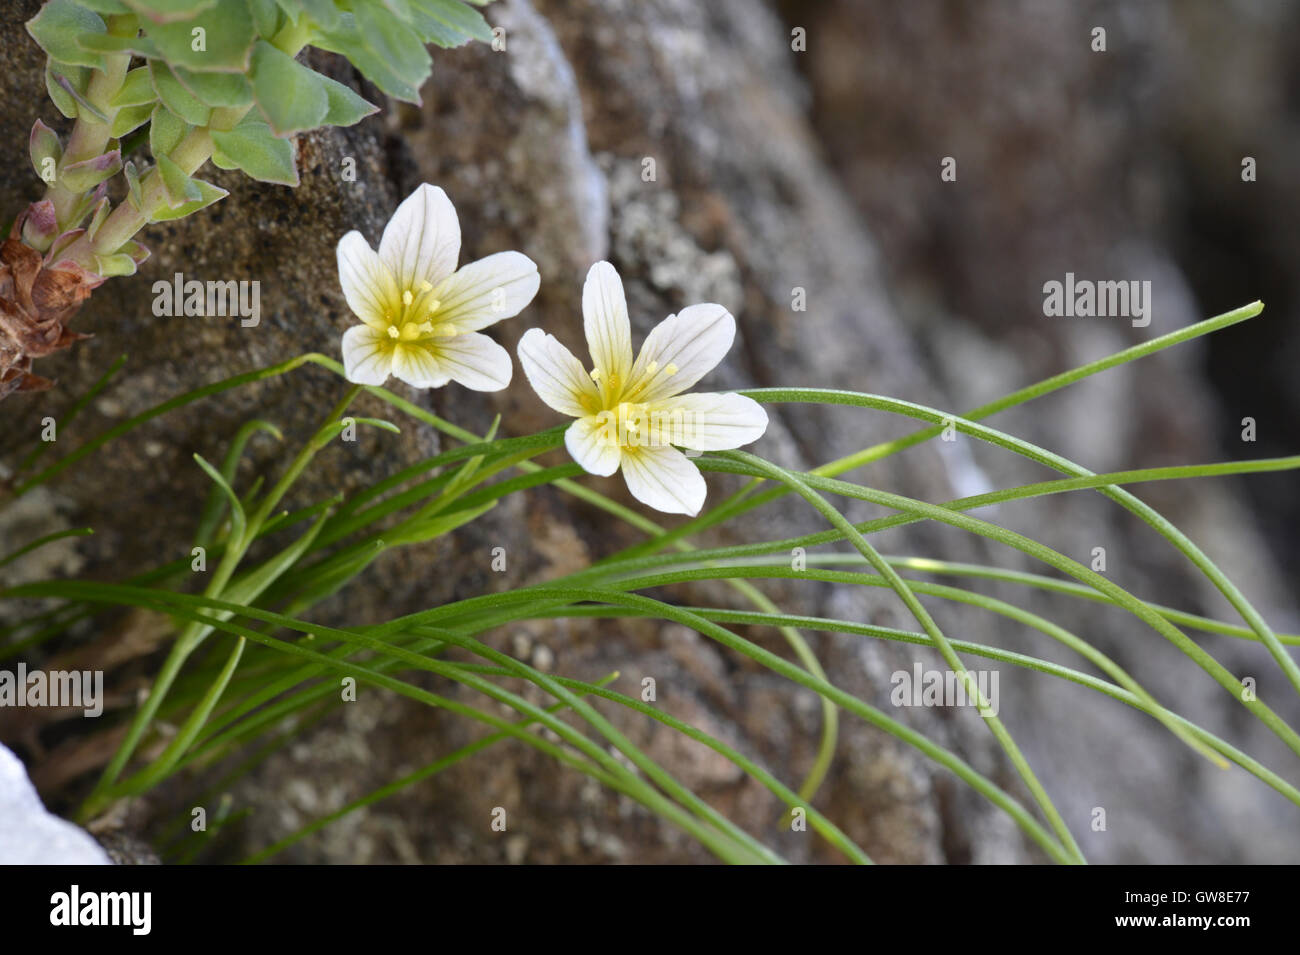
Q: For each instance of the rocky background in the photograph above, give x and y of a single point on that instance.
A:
(775, 169)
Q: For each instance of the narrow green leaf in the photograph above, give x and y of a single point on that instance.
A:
(42, 541)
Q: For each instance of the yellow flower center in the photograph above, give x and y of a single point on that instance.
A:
(412, 319)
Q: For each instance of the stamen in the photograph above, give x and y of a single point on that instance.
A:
(595, 374)
(444, 330)
(654, 366)
(670, 370)
(394, 332)
(426, 287)
(425, 328)
(407, 297)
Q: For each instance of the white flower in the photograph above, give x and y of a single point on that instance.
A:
(632, 413)
(422, 315)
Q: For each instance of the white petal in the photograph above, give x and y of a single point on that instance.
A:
(604, 319)
(664, 479)
(708, 422)
(475, 361)
(417, 364)
(684, 348)
(590, 442)
(422, 240)
(556, 375)
(487, 291)
(368, 286)
(367, 355)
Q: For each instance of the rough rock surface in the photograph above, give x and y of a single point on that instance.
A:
(543, 147)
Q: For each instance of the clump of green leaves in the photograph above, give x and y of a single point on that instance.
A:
(248, 671)
(199, 80)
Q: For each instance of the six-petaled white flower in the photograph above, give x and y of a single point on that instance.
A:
(632, 413)
(422, 315)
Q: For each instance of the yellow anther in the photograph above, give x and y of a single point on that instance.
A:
(425, 328)
(670, 370)
(595, 374)
(654, 366)
(426, 287)
(444, 330)
(394, 332)
(407, 297)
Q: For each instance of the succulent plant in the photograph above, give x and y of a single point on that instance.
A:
(157, 88)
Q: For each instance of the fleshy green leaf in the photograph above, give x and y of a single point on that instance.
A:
(176, 97)
(83, 176)
(137, 88)
(169, 11)
(216, 89)
(137, 45)
(61, 98)
(320, 12)
(291, 96)
(254, 149)
(57, 95)
(72, 80)
(266, 16)
(110, 266)
(134, 193)
(458, 17)
(208, 194)
(179, 187)
(392, 40)
(108, 7)
(345, 106)
(131, 118)
(348, 42)
(218, 39)
(166, 130)
(97, 218)
(57, 27)
(43, 145)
